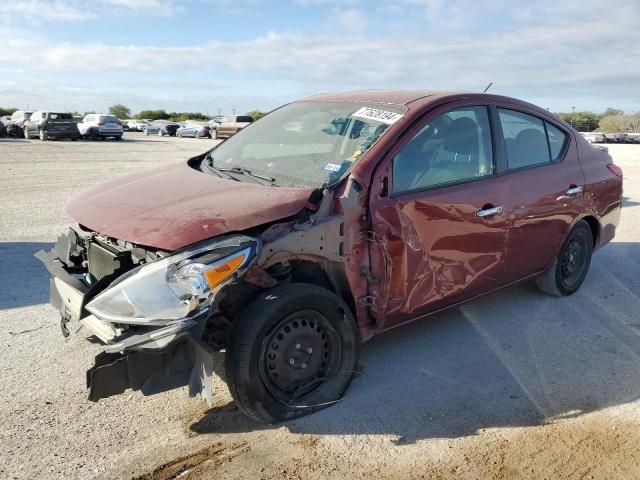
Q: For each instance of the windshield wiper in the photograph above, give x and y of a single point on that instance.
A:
(247, 173)
(208, 163)
(222, 172)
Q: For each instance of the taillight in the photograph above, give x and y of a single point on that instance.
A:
(616, 170)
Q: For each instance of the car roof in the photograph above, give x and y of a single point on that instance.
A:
(416, 100)
(388, 96)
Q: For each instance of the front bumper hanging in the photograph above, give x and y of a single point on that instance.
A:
(151, 360)
(185, 361)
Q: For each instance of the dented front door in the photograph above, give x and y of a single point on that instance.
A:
(436, 245)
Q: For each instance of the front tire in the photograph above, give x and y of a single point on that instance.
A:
(291, 352)
(25, 133)
(214, 134)
(44, 136)
(569, 269)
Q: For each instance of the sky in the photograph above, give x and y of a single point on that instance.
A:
(219, 55)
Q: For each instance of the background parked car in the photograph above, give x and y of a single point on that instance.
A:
(137, 125)
(162, 128)
(48, 125)
(194, 129)
(229, 125)
(17, 120)
(125, 125)
(3, 128)
(97, 126)
(593, 137)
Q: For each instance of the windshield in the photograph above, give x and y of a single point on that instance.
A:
(307, 144)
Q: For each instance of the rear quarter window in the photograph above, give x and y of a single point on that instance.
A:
(557, 141)
(525, 139)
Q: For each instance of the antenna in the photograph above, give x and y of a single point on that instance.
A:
(488, 87)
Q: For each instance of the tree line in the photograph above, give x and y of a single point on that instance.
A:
(611, 120)
(123, 112)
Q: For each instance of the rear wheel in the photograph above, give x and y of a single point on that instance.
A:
(569, 269)
(43, 135)
(25, 133)
(291, 352)
(160, 134)
(214, 134)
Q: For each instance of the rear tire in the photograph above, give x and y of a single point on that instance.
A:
(291, 352)
(25, 133)
(214, 134)
(569, 269)
(44, 136)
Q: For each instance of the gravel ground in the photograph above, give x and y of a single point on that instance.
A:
(514, 385)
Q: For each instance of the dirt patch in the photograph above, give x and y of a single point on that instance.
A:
(195, 463)
(566, 449)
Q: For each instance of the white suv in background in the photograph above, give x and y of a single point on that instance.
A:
(99, 125)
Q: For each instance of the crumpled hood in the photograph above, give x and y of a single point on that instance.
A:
(175, 206)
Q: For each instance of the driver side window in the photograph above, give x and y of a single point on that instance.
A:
(453, 147)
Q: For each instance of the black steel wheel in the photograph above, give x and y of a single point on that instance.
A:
(291, 352)
(568, 271)
(300, 352)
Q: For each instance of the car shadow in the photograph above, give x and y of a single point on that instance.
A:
(516, 357)
(24, 280)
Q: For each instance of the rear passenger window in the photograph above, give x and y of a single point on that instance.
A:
(525, 139)
(557, 139)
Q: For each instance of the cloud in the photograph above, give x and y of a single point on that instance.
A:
(53, 10)
(351, 19)
(532, 52)
(35, 12)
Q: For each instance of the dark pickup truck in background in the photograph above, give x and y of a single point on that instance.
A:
(48, 125)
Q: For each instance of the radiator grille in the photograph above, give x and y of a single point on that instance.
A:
(106, 263)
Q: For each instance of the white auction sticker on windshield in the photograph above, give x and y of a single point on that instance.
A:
(378, 115)
(332, 167)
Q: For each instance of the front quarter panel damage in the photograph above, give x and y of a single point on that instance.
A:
(333, 237)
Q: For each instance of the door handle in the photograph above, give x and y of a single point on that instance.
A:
(487, 212)
(573, 190)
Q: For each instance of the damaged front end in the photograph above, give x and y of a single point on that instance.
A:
(149, 307)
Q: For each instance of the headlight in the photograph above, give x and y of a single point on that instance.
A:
(176, 286)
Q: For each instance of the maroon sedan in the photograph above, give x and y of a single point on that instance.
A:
(326, 222)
